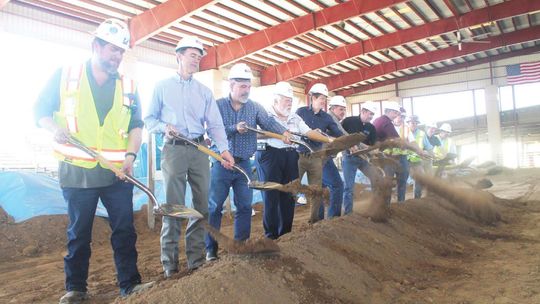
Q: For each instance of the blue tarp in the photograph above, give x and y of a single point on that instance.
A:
(24, 195)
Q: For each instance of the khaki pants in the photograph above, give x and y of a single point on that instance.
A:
(313, 167)
(181, 163)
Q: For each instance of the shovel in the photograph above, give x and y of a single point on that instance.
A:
(281, 137)
(339, 144)
(205, 150)
(250, 246)
(174, 210)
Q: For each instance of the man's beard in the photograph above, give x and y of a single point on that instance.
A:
(284, 112)
(109, 67)
(244, 98)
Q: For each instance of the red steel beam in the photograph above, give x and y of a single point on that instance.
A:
(308, 64)
(244, 46)
(161, 16)
(364, 88)
(352, 77)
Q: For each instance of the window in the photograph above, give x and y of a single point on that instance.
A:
(442, 107)
(480, 101)
(527, 94)
(355, 109)
(505, 98)
(407, 104)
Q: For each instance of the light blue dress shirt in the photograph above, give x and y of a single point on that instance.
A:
(189, 106)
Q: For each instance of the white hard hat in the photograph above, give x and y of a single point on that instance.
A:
(392, 105)
(319, 88)
(190, 42)
(446, 127)
(413, 118)
(338, 100)
(370, 106)
(283, 88)
(240, 71)
(115, 32)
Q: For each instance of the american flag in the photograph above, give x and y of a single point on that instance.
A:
(523, 73)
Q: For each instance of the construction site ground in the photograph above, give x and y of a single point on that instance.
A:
(426, 252)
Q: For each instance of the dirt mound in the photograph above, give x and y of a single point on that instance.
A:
(344, 260)
(45, 234)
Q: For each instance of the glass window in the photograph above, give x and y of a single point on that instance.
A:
(505, 98)
(442, 107)
(355, 109)
(147, 76)
(527, 94)
(407, 104)
(480, 100)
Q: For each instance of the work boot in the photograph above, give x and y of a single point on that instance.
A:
(169, 273)
(211, 256)
(73, 297)
(137, 288)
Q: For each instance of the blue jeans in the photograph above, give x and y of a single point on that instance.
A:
(349, 166)
(220, 182)
(402, 174)
(332, 180)
(280, 166)
(82, 204)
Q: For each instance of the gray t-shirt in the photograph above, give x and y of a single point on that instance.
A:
(71, 176)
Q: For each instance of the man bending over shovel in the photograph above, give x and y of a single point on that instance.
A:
(238, 113)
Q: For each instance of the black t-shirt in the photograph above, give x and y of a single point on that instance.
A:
(353, 124)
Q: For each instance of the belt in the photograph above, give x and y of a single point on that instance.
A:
(288, 149)
(183, 142)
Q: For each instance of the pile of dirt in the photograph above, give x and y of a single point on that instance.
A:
(45, 234)
(344, 260)
(427, 251)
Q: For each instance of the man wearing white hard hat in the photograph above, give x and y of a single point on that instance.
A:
(427, 144)
(94, 104)
(278, 162)
(350, 163)
(447, 147)
(184, 106)
(385, 129)
(238, 112)
(316, 118)
(338, 110)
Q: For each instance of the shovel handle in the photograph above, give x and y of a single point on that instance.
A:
(102, 160)
(267, 133)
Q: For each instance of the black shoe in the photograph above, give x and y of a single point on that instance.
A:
(138, 288)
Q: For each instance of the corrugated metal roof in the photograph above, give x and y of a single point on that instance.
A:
(219, 23)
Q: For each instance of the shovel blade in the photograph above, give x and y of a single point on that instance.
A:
(265, 185)
(176, 210)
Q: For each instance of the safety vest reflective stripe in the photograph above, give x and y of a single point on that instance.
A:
(75, 153)
(73, 83)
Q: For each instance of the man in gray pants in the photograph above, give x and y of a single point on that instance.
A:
(182, 105)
